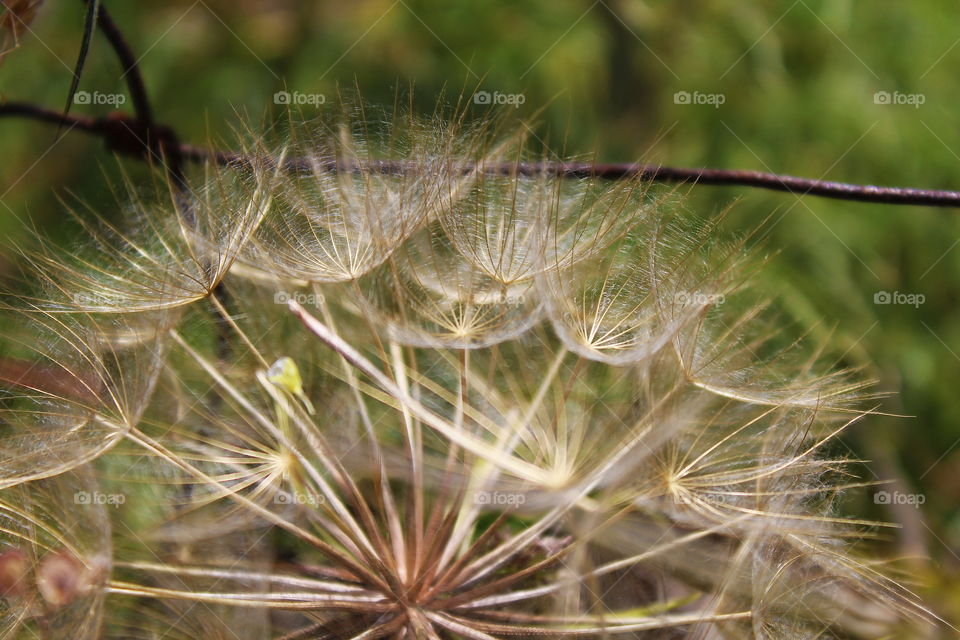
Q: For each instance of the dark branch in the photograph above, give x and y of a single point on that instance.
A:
(129, 136)
(141, 135)
(131, 68)
(49, 116)
(762, 180)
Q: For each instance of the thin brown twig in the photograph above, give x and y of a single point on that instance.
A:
(126, 134)
(131, 68)
(158, 140)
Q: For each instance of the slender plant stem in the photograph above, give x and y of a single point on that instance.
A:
(131, 68)
(117, 139)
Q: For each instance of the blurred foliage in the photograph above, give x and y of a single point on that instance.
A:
(798, 81)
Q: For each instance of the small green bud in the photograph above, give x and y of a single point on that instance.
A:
(286, 374)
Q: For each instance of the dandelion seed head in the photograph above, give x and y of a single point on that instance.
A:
(436, 395)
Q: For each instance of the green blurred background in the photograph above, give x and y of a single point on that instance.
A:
(798, 83)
